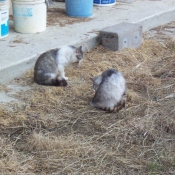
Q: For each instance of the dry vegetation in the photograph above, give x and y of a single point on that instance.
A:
(54, 130)
(57, 16)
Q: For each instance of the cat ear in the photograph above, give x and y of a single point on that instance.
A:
(78, 50)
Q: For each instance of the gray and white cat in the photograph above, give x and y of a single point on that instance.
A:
(110, 90)
(49, 67)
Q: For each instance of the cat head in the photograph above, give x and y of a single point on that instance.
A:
(96, 82)
(79, 53)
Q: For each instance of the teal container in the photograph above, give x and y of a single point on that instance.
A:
(79, 8)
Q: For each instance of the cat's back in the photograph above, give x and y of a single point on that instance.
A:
(113, 77)
(113, 84)
(65, 52)
(110, 92)
(65, 49)
(48, 57)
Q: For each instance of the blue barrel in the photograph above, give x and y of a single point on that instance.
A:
(104, 2)
(79, 8)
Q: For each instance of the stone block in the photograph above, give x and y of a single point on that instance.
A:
(121, 36)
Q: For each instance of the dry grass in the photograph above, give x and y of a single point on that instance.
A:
(54, 130)
(57, 16)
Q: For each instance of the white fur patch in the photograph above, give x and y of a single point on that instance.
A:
(51, 75)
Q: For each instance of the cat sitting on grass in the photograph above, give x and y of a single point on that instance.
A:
(49, 67)
(110, 91)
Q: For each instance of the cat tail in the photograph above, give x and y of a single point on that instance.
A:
(118, 107)
(105, 108)
(109, 109)
(122, 104)
(114, 109)
(56, 82)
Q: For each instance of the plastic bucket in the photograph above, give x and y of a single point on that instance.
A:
(29, 16)
(4, 19)
(104, 2)
(79, 8)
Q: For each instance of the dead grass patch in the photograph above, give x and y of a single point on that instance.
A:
(60, 133)
(57, 16)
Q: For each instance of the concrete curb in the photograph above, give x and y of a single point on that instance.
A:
(156, 20)
(16, 69)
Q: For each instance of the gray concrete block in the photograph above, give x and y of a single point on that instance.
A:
(121, 36)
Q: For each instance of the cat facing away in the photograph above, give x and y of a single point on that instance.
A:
(49, 67)
(110, 91)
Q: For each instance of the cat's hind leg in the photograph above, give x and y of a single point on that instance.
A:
(50, 79)
(61, 72)
(44, 78)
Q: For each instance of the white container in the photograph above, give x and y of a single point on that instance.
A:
(104, 2)
(29, 15)
(4, 19)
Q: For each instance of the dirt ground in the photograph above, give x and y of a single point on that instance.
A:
(162, 33)
(61, 18)
(54, 130)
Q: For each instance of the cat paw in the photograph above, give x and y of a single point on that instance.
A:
(66, 78)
